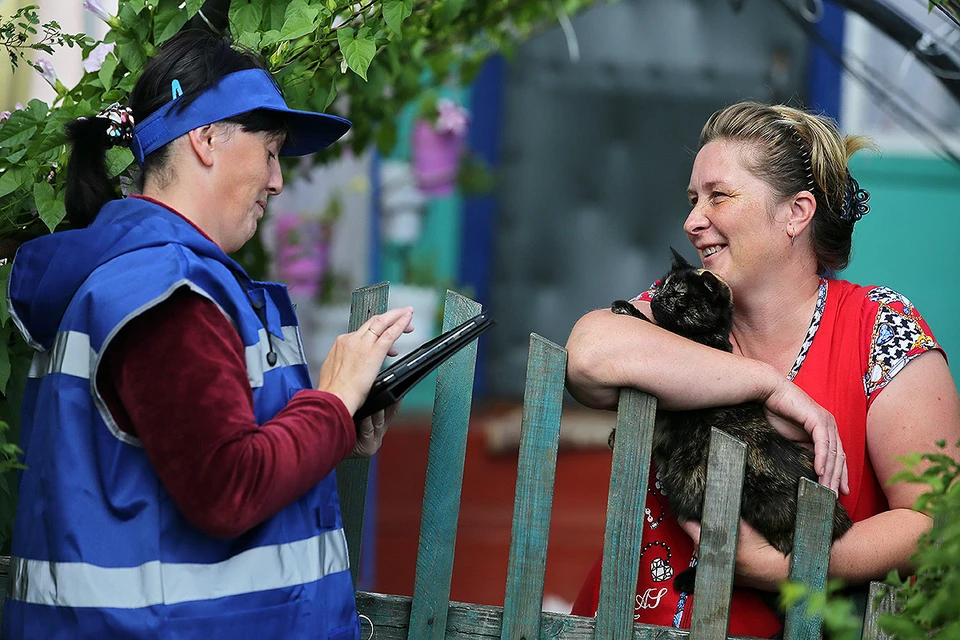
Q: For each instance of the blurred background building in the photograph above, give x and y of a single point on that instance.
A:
(589, 132)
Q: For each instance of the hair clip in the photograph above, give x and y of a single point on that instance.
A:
(854, 201)
(807, 164)
(175, 89)
(120, 129)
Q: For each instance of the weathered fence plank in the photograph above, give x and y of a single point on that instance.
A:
(482, 622)
(812, 539)
(441, 504)
(719, 533)
(352, 473)
(622, 536)
(536, 471)
(881, 599)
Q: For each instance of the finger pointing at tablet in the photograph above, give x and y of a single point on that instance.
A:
(355, 358)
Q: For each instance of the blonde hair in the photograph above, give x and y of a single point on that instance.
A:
(797, 151)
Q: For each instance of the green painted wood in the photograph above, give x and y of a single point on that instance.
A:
(719, 533)
(812, 539)
(539, 439)
(441, 502)
(352, 473)
(624, 528)
(390, 615)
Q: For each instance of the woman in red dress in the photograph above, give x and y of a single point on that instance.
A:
(854, 370)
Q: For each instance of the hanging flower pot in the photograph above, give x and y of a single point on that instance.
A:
(437, 149)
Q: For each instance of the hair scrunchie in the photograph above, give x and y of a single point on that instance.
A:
(120, 129)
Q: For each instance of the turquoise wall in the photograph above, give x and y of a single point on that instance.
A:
(908, 240)
(436, 254)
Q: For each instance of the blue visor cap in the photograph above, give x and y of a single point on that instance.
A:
(237, 93)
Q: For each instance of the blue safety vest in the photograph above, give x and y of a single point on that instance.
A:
(99, 549)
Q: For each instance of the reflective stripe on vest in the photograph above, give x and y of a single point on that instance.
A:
(71, 355)
(79, 584)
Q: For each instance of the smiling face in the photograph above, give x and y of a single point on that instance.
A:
(734, 222)
(247, 172)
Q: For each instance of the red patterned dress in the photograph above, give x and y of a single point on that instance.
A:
(859, 338)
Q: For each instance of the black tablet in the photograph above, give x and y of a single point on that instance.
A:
(397, 379)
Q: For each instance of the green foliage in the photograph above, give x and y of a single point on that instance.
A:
(926, 605)
(22, 32)
(378, 54)
(929, 603)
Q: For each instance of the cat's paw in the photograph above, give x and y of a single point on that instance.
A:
(623, 307)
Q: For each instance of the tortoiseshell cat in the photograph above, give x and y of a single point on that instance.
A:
(696, 304)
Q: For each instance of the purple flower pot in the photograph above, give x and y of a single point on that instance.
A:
(436, 158)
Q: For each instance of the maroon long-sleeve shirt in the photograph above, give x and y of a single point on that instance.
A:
(175, 377)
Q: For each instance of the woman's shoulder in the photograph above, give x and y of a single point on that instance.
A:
(868, 296)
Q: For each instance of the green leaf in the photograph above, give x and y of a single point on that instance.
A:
(127, 83)
(245, 17)
(298, 20)
(13, 179)
(324, 92)
(118, 159)
(49, 208)
(4, 276)
(105, 74)
(270, 38)
(395, 12)
(131, 54)
(357, 50)
(170, 19)
(19, 134)
(4, 355)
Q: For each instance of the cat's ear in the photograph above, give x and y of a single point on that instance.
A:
(678, 260)
(714, 286)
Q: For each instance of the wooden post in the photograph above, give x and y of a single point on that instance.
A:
(441, 505)
(628, 491)
(812, 539)
(352, 473)
(536, 471)
(719, 533)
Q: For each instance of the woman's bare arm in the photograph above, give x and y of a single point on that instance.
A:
(608, 351)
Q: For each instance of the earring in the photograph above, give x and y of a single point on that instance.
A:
(793, 238)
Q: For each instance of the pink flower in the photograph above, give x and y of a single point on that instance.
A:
(96, 8)
(451, 117)
(45, 67)
(95, 60)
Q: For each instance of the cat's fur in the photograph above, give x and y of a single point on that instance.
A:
(696, 304)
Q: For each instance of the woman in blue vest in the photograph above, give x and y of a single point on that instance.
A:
(179, 461)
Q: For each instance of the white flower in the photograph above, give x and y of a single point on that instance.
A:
(45, 67)
(96, 8)
(95, 60)
(451, 118)
(4, 115)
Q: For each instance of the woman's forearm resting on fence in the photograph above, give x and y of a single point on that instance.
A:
(607, 351)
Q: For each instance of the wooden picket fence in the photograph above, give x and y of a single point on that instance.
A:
(430, 614)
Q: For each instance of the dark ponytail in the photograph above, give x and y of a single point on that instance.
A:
(88, 187)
